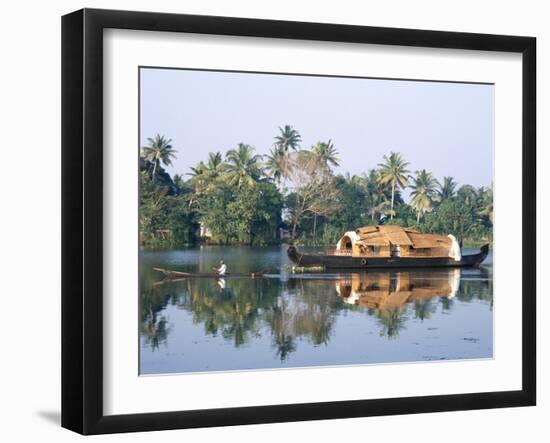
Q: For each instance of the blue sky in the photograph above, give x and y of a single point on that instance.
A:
(446, 128)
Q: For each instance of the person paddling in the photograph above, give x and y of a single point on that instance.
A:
(222, 269)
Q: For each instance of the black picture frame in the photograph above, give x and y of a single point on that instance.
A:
(82, 217)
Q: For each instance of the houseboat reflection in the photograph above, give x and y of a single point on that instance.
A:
(393, 289)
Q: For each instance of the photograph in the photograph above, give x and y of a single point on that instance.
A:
(291, 220)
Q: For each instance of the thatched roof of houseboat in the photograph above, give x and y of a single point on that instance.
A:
(386, 235)
(430, 240)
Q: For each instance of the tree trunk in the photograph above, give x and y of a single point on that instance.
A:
(417, 217)
(294, 226)
(392, 198)
(154, 168)
(314, 227)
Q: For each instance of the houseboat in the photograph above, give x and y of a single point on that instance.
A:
(390, 246)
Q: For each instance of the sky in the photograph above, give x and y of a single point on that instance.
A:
(445, 128)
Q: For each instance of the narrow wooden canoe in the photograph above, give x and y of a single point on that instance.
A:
(178, 274)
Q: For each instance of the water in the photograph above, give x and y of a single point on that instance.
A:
(287, 320)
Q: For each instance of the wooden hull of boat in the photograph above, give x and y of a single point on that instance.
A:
(178, 274)
(349, 262)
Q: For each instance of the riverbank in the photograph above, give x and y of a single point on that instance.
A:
(164, 245)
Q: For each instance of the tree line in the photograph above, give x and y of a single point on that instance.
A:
(293, 194)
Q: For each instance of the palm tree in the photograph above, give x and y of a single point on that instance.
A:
(215, 165)
(243, 166)
(424, 190)
(393, 172)
(211, 169)
(447, 189)
(467, 194)
(198, 170)
(159, 150)
(178, 182)
(288, 138)
(214, 160)
(278, 164)
(377, 202)
(485, 203)
(199, 176)
(326, 153)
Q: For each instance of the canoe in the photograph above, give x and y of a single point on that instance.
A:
(178, 274)
(349, 262)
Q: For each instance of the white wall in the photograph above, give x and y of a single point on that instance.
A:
(30, 216)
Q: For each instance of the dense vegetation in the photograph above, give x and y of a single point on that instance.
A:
(293, 194)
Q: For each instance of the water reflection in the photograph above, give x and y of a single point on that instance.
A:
(390, 290)
(386, 294)
(289, 313)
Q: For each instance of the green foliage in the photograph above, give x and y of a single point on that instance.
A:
(393, 172)
(165, 206)
(446, 189)
(405, 215)
(247, 198)
(277, 164)
(423, 193)
(158, 150)
(243, 167)
(151, 209)
(288, 138)
(454, 217)
(249, 215)
(351, 196)
(181, 221)
(326, 153)
(314, 192)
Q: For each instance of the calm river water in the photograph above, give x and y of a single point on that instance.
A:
(289, 320)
